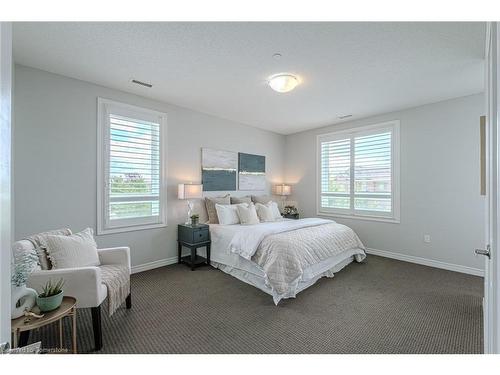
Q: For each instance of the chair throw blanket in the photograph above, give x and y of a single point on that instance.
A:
(117, 280)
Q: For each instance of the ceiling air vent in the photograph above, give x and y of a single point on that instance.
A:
(142, 83)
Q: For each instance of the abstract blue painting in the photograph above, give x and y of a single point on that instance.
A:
(252, 172)
(218, 169)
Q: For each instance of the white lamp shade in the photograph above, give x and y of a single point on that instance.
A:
(283, 189)
(190, 191)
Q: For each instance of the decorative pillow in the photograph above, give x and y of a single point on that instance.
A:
(210, 204)
(238, 200)
(22, 249)
(43, 260)
(228, 214)
(77, 250)
(40, 242)
(276, 211)
(262, 199)
(248, 215)
(265, 212)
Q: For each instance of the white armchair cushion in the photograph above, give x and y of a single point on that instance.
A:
(76, 250)
(85, 284)
(115, 255)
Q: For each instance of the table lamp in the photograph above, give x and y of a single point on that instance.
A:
(283, 190)
(188, 192)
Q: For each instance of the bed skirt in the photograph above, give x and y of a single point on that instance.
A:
(328, 269)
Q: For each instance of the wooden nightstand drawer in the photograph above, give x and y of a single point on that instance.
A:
(193, 234)
(200, 235)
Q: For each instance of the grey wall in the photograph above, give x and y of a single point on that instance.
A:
(55, 168)
(55, 158)
(439, 182)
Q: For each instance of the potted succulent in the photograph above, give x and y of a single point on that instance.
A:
(51, 296)
(194, 219)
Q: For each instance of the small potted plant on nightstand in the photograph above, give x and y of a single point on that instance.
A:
(194, 219)
(291, 212)
(51, 296)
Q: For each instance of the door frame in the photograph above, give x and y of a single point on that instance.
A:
(5, 177)
(491, 309)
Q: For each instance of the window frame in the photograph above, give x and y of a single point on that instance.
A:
(351, 213)
(104, 107)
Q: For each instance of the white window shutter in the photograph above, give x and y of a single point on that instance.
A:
(358, 172)
(373, 172)
(132, 195)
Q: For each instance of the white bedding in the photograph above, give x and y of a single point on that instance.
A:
(246, 240)
(285, 256)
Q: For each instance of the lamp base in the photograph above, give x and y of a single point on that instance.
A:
(189, 212)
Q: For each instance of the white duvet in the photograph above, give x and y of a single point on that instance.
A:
(246, 240)
(287, 249)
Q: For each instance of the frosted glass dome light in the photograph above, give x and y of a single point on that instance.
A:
(283, 82)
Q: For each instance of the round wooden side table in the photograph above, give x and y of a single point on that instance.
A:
(67, 308)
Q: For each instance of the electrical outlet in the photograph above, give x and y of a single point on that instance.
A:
(427, 238)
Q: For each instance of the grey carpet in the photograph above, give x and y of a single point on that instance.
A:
(380, 306)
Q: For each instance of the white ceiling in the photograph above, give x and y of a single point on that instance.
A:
(221, 68)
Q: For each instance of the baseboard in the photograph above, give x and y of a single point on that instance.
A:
(382, 253)
(155, 264)
(427, 262)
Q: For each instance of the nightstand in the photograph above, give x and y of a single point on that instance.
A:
(291, 216)
(193, 237)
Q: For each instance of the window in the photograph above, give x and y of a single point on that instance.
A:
(358, 173)
(131, 172)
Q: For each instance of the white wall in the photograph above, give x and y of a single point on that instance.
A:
(55, 158)
(5, 177)
(439, 182)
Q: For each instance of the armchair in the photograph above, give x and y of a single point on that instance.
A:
(85, 283)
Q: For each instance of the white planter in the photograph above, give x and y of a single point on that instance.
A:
(26, 298)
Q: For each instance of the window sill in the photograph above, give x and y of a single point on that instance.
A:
(360, 217)
(101, 231)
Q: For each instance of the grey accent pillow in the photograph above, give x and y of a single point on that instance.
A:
(238, 200)
(210, 204)
(262, 199)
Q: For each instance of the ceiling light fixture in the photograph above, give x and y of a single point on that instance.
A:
(283, 82)
(344, 116)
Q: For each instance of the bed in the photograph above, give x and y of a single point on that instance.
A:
(285, 257)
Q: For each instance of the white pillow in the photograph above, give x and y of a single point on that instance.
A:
(76, 250)
(265, 213)
(268, 212)
(275, 209)
(228, 213)
(248, 215)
